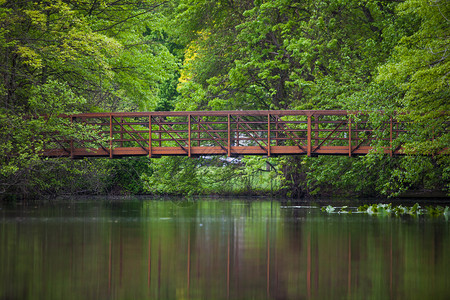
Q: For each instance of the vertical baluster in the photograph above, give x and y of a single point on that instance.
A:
(150, 136)
(237, 131)
(268, 134)
(350, 136)
(229, 135)
(189, 135)
(160, 132)
(198, 132)
(121, 131)
(309, 136)
(316, 130)
(71, 140)
(276, 130)
(110, 137)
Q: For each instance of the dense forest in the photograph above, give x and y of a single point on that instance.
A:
(70, 56)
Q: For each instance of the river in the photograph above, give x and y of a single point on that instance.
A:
(143, 248)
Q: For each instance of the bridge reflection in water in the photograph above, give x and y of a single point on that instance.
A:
(231, 133)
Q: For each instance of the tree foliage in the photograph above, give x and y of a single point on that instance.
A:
(420, 67)
(284, 54)
(69, 56)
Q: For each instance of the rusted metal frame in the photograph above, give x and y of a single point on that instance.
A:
(149, 136)
(247, 127)
(217, 113)
(251, 136)
(160, 132)
(334, 138)
(161, 124)
(176, 131)
(316, 130)
(62, 146)
(110, 137)
(71, 140)
(366, 138)
(94, 139)
(308, 136)
(237, 131)
(350, 136)
(229, 135)
(249, 132)
(189, 135)
(283, 127)
(121, 133)
(330, 134)
(129, 133)
(101, 146)
(198, 135)
(174, 139)
(276, 131)
(288, 130)
(199, 122)
(168, 132)
(268, 134)
(105, 149)
(213, 122)
(136, 132)
(396, 149)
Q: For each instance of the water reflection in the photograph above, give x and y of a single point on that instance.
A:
(217, 250)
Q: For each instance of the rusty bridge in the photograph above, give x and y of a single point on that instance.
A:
(231, 133)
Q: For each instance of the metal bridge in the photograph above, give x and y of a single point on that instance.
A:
(231, 133)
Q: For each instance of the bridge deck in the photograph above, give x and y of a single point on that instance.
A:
(230, 133)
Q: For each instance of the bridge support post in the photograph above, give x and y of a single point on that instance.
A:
(121, 131)
(110, 137)
(349, 136)
(276, 130)
(268, 135)
(237, 130)
(308, 149)
(189, 135)
(316, 131)
(150, 136)
(160, 132)
(198, 131)
(229, 135)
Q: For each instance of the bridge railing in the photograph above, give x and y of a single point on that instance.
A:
(229, 133)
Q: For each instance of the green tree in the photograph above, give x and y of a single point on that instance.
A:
(67, 56)
(282, 54)
(420, 67)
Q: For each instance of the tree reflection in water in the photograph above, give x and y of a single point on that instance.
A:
(215, 249)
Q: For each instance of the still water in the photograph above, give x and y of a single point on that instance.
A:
(217, 249)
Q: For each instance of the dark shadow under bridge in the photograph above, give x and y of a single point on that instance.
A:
(231, 133)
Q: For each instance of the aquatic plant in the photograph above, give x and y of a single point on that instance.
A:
(383, 209)
(331, 209)
(328, 209)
